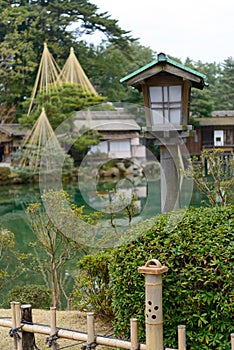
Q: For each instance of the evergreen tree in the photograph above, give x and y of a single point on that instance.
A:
(60, 104)
(26, 25)
(110, 64)
(224, 96)
(203, 101)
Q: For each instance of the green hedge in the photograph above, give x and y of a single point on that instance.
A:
(198, 287)
(4, 175)
(91, 291)
(38, 296)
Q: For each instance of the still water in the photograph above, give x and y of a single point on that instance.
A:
(15, 199)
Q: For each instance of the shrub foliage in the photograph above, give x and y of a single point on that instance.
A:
(38, 296)
(198, 289)
(91, 291)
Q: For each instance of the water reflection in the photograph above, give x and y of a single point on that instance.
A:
(15, 199)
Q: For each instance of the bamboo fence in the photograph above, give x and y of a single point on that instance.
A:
(22, 329)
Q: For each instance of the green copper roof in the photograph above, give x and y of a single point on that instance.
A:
(163, 58)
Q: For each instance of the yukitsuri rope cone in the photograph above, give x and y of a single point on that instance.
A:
(73, 73)
(47, 76)
(40, 139)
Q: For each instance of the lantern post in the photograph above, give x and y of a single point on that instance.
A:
(166, 88)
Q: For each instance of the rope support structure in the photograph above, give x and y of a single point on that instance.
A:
(89, 346)
(14, 331)
(51, 340)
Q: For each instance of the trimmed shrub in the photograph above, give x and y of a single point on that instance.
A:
(91, 291)
(36, 295)
(4, 174)
(198, 289)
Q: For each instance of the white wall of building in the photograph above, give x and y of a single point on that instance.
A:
(218, 138)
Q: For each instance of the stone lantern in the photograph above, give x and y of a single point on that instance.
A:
(166, 88)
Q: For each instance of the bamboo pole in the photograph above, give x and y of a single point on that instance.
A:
(18, 324)
(117, 343)
(14, 325)
(232, 341)
(134, 334)
(90, 329)
(74, 335)
(70, 334)
(153, 271)
(53, 326)
(181, 337)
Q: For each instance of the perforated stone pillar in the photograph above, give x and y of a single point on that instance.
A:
(153, 303)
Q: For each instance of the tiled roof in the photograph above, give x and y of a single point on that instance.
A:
(13, 129)
(228, 113)
(215, 121)
(107, 125)
(162, 58)
(116, 120)
(110, 115)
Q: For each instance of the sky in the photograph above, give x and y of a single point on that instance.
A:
(201, 30)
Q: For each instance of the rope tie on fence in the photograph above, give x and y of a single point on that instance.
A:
(90, 346)
(14, 331)
(51, 340)
(26, 322)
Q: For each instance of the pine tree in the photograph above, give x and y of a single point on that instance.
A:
(224, 96)
(26, 25)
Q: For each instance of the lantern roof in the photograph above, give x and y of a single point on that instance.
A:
(166, 64)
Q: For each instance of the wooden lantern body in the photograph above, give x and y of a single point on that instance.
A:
(163, 110)
(166, 87)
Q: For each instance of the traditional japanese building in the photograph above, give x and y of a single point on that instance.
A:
(11, 138)
(120, 133)
(214, 132)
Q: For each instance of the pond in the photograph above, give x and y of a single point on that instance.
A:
(15, 199)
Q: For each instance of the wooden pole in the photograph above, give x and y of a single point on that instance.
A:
(181, 337)
(153, 271)
(90, 329)
(18, 324)
(53, 329)
(14, 325)
(232, 341)
(134, 334)
(28, 338)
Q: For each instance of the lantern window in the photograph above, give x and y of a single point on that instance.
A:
(166, 104)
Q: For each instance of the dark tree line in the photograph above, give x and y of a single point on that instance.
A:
(219, 95)
(25, 25)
